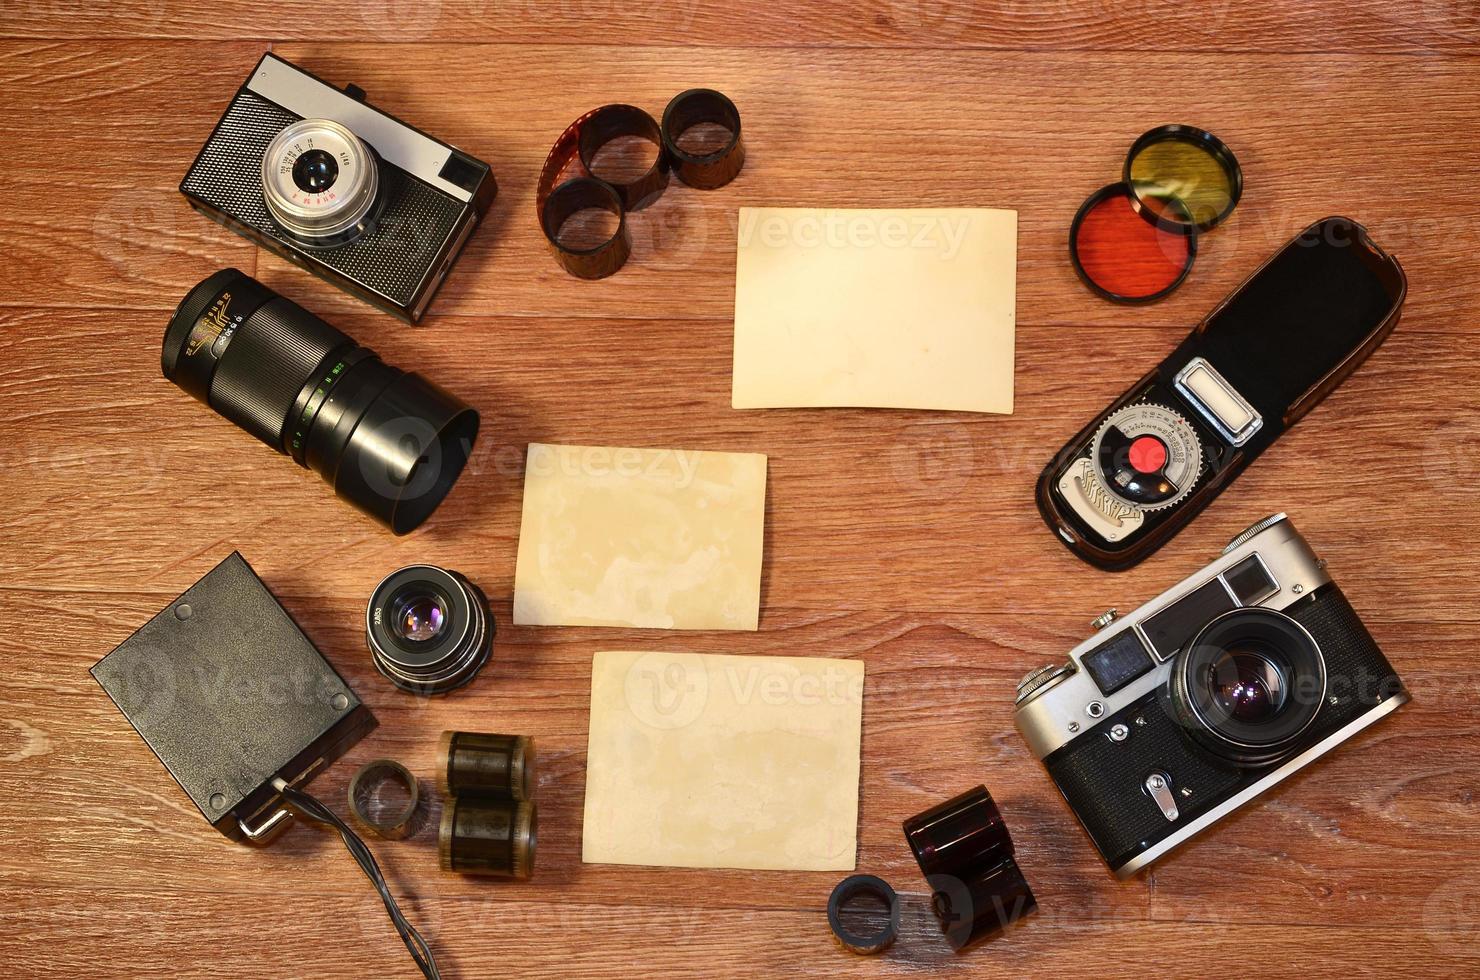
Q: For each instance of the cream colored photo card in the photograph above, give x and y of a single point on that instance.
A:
(875, 308)
(712, 761)
(661, 538)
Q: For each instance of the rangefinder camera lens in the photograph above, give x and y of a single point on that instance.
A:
(429, 629)
(388, 441)
(321, 183)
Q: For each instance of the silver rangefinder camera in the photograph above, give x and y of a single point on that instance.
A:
(1175, 715)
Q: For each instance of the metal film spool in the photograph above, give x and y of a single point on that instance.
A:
(349, 175)
(487, 837)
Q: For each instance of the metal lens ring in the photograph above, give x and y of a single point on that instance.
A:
(1188, 166)
(397, 824)
(1249, 684)
(320, 182)
(429, 629)
(846, 891)
(716, 168)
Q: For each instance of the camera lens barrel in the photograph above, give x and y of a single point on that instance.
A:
(389, 441)
(429, 629)
(1248, 685)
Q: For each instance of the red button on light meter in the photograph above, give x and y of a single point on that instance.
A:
(1148, 454)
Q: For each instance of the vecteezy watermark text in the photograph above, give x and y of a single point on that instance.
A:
(926, 231)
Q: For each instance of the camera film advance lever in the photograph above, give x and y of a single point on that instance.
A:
(1266, 355)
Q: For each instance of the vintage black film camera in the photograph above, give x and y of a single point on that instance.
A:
(1172, 717)
(328, 181)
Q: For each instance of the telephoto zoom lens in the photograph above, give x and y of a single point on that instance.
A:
(388, 441)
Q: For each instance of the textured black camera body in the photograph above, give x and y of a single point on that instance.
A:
(354, 195)
(1177, 714)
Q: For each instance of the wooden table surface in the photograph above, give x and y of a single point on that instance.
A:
(906, 539)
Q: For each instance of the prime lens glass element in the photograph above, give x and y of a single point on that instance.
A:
(388, 441)
(1248, 685)
(315, 172)
(429, 629)
(421, 618)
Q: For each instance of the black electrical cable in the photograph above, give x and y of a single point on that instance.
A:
(312, 809)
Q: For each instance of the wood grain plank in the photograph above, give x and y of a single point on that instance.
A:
(848, 489)
(937, 719)
(905, 539)
(1316, 136)
(1294, 26)
(335, 936)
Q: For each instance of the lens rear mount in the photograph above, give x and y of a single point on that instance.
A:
(1249, 685)
(419, 656)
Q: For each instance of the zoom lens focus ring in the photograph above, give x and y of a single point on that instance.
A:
(266, 367)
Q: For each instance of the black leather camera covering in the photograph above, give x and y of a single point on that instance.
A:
(1287, 336)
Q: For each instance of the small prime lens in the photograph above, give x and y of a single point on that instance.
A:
(1248, 685)
(388, 441)
(429, 629)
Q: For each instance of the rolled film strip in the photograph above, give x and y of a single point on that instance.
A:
(715, 168)
(581, 143)
(967, 856)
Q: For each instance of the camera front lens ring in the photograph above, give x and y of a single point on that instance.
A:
(321, 183)
(429, 629)
(1248, 685)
